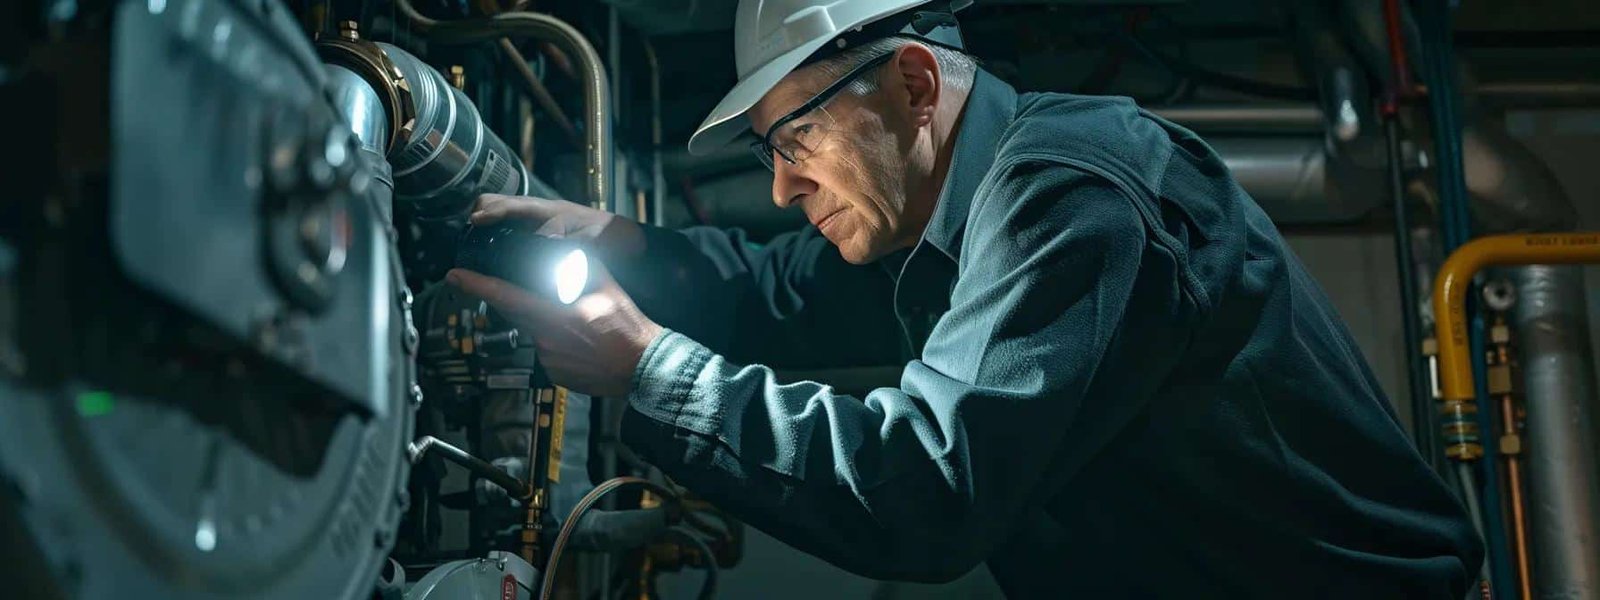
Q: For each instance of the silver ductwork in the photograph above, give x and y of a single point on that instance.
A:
(448, 157)
(1280, 156)
(442, 155)
(1512, 190)
(1564, 474)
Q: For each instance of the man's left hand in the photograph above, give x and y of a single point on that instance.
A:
(591, 346)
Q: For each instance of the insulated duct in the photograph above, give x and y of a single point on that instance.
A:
(1564, 475)
(1512, 190)
(1292, 177)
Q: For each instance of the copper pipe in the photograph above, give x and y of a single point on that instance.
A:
(538, 91)
(525, 144)
(1511, 443)
(1519, 519)
(531, 81)
(557, 58)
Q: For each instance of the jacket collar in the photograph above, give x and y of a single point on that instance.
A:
(991, 107)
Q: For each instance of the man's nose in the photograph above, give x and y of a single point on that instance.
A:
(789, 185)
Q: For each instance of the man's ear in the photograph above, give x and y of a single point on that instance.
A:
(919, 76)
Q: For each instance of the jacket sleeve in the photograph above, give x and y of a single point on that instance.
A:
(923, 481)
(785, 303)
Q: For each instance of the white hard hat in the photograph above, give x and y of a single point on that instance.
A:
(772, 38)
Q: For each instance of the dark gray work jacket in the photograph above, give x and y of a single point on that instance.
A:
(1119, 382)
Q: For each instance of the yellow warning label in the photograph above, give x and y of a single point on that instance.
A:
(558, 424)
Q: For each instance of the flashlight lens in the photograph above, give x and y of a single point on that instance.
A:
(572, 275)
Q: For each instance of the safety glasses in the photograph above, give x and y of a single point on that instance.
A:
(797, 135)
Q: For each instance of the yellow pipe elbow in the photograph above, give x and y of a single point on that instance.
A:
(1455, 278)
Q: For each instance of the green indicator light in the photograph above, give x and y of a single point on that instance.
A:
(94, 404)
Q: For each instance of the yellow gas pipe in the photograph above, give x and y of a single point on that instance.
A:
(1450, 291)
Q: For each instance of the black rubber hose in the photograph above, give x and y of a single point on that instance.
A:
(582, 508)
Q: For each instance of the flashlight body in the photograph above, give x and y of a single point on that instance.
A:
(516, 255)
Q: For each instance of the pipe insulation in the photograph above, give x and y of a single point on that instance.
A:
(1564, 474)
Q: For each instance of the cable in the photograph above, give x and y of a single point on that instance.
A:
(587, 502)
(1469, 495)
(1422, 422)
(1422, 427)
(1226, 81)
(708, 589)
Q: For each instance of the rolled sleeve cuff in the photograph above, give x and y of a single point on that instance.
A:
(664, 382)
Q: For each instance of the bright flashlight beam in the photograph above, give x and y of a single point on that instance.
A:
(572, 275)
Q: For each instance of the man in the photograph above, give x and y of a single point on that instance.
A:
(1120, 381)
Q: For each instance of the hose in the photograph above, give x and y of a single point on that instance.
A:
(614, 530)
(578, 511)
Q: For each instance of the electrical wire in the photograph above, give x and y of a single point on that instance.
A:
(1203, 76)
(579, 510)
(1400, 87)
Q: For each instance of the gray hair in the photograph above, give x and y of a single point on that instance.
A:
(955, 68)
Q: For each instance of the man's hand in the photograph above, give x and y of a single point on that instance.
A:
(591, 346)
(608, 236)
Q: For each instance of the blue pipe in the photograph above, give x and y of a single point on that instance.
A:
(1456, 225)
(1500, 568)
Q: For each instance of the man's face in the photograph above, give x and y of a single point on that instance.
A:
(853, 183)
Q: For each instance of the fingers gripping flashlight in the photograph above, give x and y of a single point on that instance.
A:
(555, 268)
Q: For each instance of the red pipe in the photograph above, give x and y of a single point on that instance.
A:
(1397, 53)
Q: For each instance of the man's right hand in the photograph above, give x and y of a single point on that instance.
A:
(607, 235)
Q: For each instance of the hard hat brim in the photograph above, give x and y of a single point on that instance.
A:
(728, 119)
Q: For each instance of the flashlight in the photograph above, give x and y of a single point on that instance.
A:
(552, 267)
